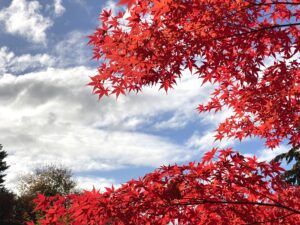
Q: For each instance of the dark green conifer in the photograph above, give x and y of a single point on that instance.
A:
(292, 175)
(3, 167)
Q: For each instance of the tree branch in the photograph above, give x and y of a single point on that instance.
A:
(256, 31)
(277, 3)
(201, 202)
(272, 220)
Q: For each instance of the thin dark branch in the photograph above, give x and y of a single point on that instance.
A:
(256, 31)
(276, 26)
(258, 193)
(201, 202)
(277, 3)
(272, 220)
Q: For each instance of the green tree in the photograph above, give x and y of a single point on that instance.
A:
(48, 180)
(292, 175)
(3, 167)
(8, 200)
(7, 207)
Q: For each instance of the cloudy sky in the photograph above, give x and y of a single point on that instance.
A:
(49, 116)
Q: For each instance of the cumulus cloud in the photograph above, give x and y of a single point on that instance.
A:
(215, 119)
(51, 116)
(24, 18)
(206, 141)
(11, 63)
(99, 183)
(59, 9)
(268, 154)
(110, 5)
(72, 50)
(6, 57)
(184, 100)
(55, 8)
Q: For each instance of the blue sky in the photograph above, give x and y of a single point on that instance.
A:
(49, 116)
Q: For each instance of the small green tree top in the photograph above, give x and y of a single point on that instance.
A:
(3, 167)
(48, 180)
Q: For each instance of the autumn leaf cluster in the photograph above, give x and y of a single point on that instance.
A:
(250, 49)
(230, 190)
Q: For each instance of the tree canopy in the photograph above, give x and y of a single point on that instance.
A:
(250, 50)
(49, 180)
(231, 190)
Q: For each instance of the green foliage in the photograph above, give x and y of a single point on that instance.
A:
(3, 167)
(291, 176)
(8, 200)
(49, 180)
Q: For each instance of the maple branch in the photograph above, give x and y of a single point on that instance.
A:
(255, 191)
(201, 202)
(256, 31)
(277, 26)
(272, 220)
(277, 3)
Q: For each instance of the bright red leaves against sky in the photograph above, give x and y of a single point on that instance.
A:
(250, 49)
(233, 189)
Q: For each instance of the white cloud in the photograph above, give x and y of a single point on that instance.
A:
(59, 9)
(216, 118)
(52, 117)
(111, 5)
(99, 183)
(24, 18)
(184, 99)
(176, 121)
(72, 50)
(5, 59)
(55, 8)
(268, 154)
(206, 141)
(10, 63)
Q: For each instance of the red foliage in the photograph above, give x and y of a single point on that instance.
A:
(232, 190)
(249, 48)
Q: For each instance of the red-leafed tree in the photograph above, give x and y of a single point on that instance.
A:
(250, 49)
(232, 190)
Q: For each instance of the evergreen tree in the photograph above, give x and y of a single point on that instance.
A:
(293, 174)
(3, 167)
(7, 198)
